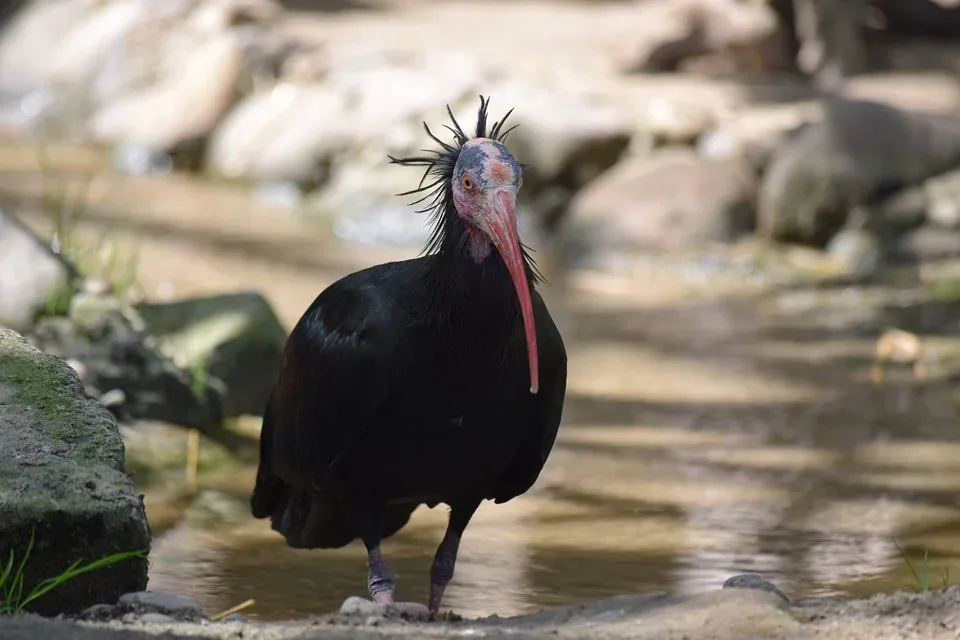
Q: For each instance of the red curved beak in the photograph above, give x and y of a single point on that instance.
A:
(499, 223)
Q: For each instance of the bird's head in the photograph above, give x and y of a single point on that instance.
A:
(475, 183)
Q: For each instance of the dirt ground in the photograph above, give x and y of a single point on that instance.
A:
(731, 614)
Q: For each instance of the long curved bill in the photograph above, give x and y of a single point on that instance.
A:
(500, 224)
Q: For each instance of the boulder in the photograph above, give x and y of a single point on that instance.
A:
(235, 338)
(756, 132)
(860, 153)
(185, 106)
(674, 31)
(943, 199)
(32, 278)
(290, 132)
(928, 243)
(673, 197)
(62, 481)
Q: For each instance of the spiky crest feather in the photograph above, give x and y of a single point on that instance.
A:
(438, 192)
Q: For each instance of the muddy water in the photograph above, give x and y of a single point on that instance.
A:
(705, 434)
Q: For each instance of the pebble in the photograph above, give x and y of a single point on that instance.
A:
(160, 602)
(157, 617)
(357, 606)
(754, 581)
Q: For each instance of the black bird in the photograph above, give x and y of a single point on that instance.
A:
(437, 379)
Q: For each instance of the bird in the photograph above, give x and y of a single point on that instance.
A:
(435, 380)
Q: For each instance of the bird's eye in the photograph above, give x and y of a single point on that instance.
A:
(467, 182)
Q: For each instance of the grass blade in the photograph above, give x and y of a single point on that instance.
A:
(75, 570)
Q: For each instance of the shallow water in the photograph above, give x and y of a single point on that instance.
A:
(705, 435)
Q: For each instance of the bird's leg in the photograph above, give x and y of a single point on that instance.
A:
(441, 571)
(369, 523)
(380, 582)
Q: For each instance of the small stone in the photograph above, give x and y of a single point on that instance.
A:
(754, 581)
(233, 617)
(160, 602)
(113, 398)
(157, 618)
(858, 249)
(99, 612)
(357, 606)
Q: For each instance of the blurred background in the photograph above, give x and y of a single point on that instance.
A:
(748, 212)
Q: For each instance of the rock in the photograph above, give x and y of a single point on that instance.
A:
(904, 210)
(859, 251)
(860, 153)
(943, 199)
(118, 360)
(27, 41)
(357, 606)
(566, 137)
(184, 106)
(929, 243)
(157, 618)
(829, 35)
(62, 481)
(746, 32)
(169, 605)
(235, 338)
(288, 133)
(755, 132)
(925, 92)
(32, 278)
(361, 607)
(673, 197)
(754, 581)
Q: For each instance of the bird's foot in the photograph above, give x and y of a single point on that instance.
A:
(436, 596)
(441, 571)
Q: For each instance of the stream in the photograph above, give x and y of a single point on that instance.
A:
(708, 431)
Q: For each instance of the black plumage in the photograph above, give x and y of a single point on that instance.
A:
(409, 382)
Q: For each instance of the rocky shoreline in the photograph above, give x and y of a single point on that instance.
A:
(746, 607)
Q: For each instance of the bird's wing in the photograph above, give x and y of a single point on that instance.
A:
(338, 368)
(528, 463)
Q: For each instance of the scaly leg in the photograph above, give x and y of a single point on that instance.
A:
(369, 523)
(380, 582)
(441, 571)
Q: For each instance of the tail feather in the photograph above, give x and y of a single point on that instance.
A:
(309, 519)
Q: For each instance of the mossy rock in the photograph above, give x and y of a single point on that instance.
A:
(62, 482)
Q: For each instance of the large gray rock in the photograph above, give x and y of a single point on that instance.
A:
(860, 153)
(288, 133)
(673, 31)
(185, 105)
(62, 480)
(32, 277)
(673, 197)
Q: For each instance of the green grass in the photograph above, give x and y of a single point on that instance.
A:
(923, 578)
(65, 202)
(13, 594)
